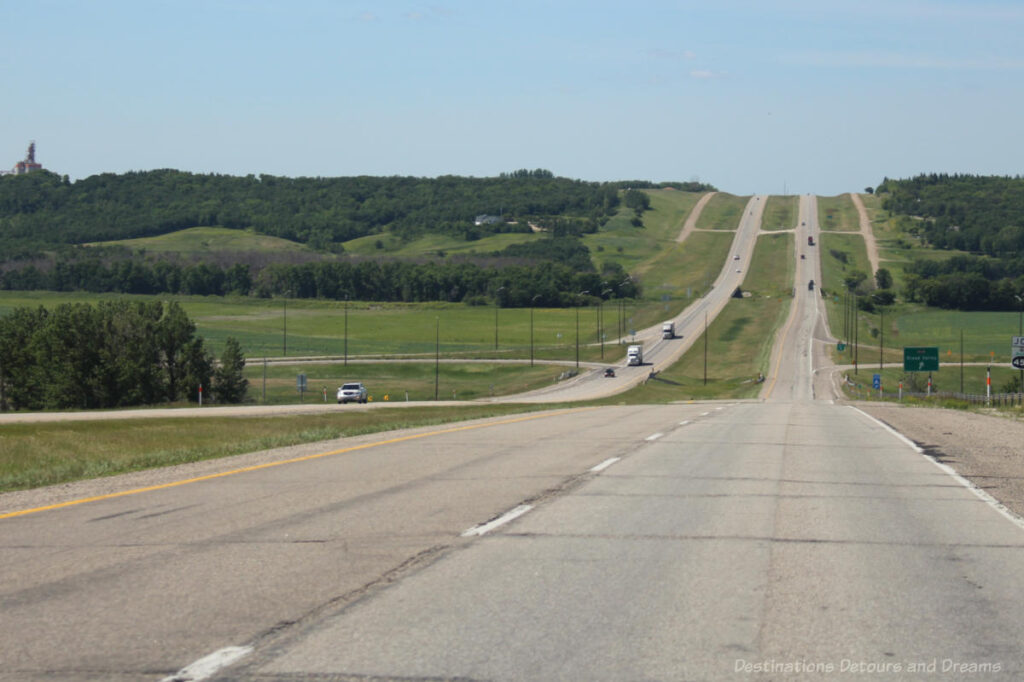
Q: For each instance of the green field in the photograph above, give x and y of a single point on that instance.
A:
(838, 213)
(396, 381)
(780, 213)
(722, 212)
(316, 327)
(205, 240)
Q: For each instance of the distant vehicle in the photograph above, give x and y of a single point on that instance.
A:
(668, 330)
(801, 256)
(802, 223)
(352, 393)
(635, 355)
(609, 373)
(736, 257)
(738, 270)
(810, 241)
(810, 285)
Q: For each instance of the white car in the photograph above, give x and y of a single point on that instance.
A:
(736, 257)
(352, 393)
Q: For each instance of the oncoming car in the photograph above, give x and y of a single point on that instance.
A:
(352, 393)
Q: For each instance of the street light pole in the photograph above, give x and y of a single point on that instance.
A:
(284, 349)
(881, 331)
(346, 331)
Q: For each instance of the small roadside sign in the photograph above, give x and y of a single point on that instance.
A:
(920, 359)
(876, 381)
(1017, 352)
(300, 383)
(840, 346)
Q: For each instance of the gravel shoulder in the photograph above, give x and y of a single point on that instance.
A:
(987, 450)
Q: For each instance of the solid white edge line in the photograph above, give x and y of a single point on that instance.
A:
(1008, 514)
(654, 436)
(704, 414)
(208, 665)
(605, 464)
(503, 519)
(684, 423)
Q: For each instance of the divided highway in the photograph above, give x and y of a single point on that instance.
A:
(787, 538)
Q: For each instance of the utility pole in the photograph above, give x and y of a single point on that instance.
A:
(497, 305)
(705, 348)
(346, 331)
(881, 343)
(856, 335)
(437, 353)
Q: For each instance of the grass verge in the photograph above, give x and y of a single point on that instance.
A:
(34, 455)
(780, 213)
(722, 212)
(838, 213)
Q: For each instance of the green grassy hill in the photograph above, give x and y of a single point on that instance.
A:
(203, 240)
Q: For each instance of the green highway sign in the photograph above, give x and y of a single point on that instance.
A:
(920, 359)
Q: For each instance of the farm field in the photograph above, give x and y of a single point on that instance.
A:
(316, 327)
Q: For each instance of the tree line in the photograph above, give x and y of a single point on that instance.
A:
(42, 209)
(966, 282)
(983, 215)
(547, 283)
(114, 354)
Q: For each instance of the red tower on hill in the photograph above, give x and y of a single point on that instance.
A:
(29, 164)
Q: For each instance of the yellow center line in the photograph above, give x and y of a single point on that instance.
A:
(268, 465)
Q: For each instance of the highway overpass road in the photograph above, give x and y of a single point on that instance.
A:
(785, 538)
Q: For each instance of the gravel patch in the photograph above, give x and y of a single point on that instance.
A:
(987, 450)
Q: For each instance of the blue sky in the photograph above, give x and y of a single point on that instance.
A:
(823, 96)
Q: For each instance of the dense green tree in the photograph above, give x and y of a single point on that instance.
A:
(116, 353)
(229, 382)
(883, 278)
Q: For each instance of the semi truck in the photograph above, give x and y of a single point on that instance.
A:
(635, 355)
(668, 330)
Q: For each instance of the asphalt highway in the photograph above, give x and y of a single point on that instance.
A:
(783, 538)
